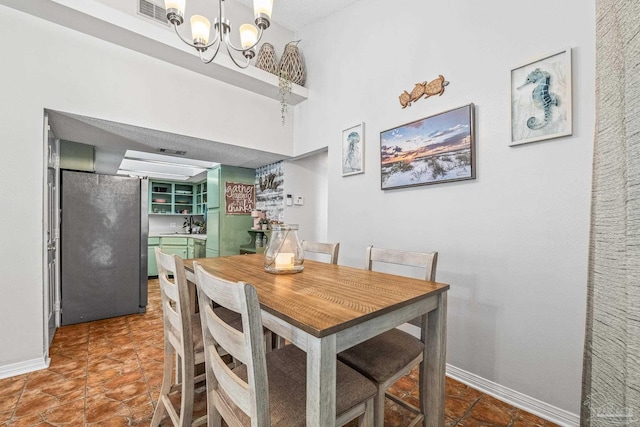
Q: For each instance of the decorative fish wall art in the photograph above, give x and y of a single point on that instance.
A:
(434, 87)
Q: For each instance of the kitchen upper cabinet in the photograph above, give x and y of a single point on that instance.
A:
(201, 197)
(226, 233)
(177, 198)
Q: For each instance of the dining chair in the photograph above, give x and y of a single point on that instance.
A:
(268, 389)
(330, 249)
(182, 342)
(386, 358)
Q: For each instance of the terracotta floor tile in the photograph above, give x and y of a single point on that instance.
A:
(27, 421)
(5, 417)
(128, 391)
(70, 414)
(8, 404)
(450, 422)
(107, 364)
(34, 403)
(457, 389)
(526, 419)
(99, 409)
(456, 408)
(486, 414)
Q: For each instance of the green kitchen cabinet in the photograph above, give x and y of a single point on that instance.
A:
(199, 248)
(213, 229)
(209, 253)
(190, 247)
(181, 251)
(174, 198)
(226, 233)
(185, 247)
(201, 197)
(175, 246)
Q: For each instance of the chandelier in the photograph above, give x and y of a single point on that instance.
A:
(201, 28)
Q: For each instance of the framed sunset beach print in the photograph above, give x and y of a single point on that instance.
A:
(432, 150)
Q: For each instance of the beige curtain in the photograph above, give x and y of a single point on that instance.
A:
(611, 379)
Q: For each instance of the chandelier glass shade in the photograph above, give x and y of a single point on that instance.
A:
(201, 39)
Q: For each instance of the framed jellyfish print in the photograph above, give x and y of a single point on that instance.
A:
(353, 150)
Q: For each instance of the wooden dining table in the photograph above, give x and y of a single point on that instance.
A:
(328, 308)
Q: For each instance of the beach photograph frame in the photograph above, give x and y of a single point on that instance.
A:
(432, 150)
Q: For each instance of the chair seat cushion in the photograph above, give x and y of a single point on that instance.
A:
(287, 374)
(383, 356)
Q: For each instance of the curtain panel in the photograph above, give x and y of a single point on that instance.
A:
(611, 377)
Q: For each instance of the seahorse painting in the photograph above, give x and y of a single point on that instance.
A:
(541, 97)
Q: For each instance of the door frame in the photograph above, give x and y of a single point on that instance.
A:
(51, 158)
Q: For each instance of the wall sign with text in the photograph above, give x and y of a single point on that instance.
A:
(240, 198)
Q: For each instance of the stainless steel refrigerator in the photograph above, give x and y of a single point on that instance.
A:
(103, 258)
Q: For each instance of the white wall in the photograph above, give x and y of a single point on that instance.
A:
(79, 74)
(513, 242)
(159, 224)
(307, 177)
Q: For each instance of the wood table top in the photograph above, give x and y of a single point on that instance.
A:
(324, 298)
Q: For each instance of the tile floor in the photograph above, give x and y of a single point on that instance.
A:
(108, 373)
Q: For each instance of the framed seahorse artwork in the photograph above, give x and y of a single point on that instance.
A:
(353, 150)
(541, 99)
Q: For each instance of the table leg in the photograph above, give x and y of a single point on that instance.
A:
(321, 381)
(433, 367)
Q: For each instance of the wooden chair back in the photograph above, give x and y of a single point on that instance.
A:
(423, 260)
(330, 249)
(426, 260)
(175, 304)
(248, 347)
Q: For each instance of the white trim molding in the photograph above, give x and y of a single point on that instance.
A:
(25, 367)
(515, 398)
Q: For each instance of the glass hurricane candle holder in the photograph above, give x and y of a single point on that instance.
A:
(284, 254)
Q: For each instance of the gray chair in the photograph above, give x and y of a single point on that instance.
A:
(182, 341)
(268, 389)
(386, 358)
(330, 249)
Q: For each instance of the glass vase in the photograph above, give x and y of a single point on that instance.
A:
(284, 254)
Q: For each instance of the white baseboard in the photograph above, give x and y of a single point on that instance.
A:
(515, 398)
(27, 366)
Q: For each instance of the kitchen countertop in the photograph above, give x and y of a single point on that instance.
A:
(193, 236)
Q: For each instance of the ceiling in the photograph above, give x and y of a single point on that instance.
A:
(296, 14)
(113, 139)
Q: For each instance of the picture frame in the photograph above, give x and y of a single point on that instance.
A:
(353, 150)
(240, 198)
(541, 106)
(432, 150)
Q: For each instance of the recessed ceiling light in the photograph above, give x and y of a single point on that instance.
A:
(161, 166)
